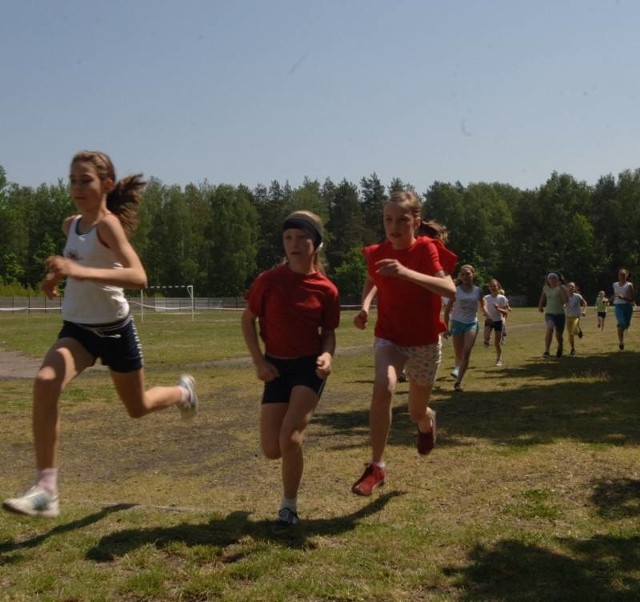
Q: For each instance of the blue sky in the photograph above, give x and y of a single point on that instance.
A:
(250, 91)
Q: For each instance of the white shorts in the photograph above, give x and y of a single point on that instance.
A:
(422, 362)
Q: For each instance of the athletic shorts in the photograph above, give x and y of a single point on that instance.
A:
(117, 345)
(494, 324)
(558, 321)
(624, 311)
(602, 314)
(300, 371)
(459, 328)
(573, 324)
(422, 362)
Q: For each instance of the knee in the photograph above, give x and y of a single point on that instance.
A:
(271, 450)
(290, 442)
(46, 384)
(384, 387)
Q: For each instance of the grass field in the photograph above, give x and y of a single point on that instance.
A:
(532, 494)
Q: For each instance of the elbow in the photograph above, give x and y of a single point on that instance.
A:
(140, 284)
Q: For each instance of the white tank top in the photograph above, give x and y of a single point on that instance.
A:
(86, 301)
(465, 306)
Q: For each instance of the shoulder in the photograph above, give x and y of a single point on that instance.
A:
(325, 282)
(109, 224)
(66, 224)
(375, 249)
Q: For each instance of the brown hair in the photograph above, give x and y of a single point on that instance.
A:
(126, 195)
(429, 228)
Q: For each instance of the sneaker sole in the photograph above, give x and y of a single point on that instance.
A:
(52, 513)
(189, 382)
(364, 493)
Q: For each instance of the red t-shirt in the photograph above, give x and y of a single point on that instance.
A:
(408, 314)
(292, 309)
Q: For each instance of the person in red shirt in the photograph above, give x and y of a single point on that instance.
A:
(409, 277)
(297, 309)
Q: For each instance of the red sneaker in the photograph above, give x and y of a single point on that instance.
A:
(372, 477)
(427, 441)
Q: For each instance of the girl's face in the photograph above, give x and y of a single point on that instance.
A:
(466, 275)
(622, 275)
(399, 225)
(298, 245)
(572, 287)
(553, 281)
(494, 288)
(88, 191)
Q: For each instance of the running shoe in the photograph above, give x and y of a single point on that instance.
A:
(37, 501)
(372, 477)
(287, 518)
(427, 441)
(457, 386)
(190, 408)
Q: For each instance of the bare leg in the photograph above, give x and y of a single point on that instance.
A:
(468, 341)
(63, 362)
(389, 363)
(130, 388)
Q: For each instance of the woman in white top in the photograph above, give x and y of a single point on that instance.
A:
(497, 308)
(624, 296)
(461, 316)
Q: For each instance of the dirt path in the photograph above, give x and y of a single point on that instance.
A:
(17, 365)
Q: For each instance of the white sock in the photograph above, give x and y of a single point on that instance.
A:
(291, 503)
(48, 479)
(184, 396)
(380, 464)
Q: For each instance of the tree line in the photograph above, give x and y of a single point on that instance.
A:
(218, 237)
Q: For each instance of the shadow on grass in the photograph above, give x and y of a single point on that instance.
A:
(590, 399)
(599, 569)
(229, 530)
(617, 499)
(12, 546)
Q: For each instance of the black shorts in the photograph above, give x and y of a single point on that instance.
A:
(117, 345)
(300, 371)
(493, 324)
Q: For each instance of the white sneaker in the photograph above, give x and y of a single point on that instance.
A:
(190, 408)
(455, 372)
(498, 362)
(37, 501)
(287, 518)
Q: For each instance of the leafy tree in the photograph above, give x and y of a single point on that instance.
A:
(350, 276)
(345, 221)
(373, 198)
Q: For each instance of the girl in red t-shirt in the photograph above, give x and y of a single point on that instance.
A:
(298, 309)
(410, 276)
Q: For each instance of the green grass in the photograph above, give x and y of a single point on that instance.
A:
(533, 492)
